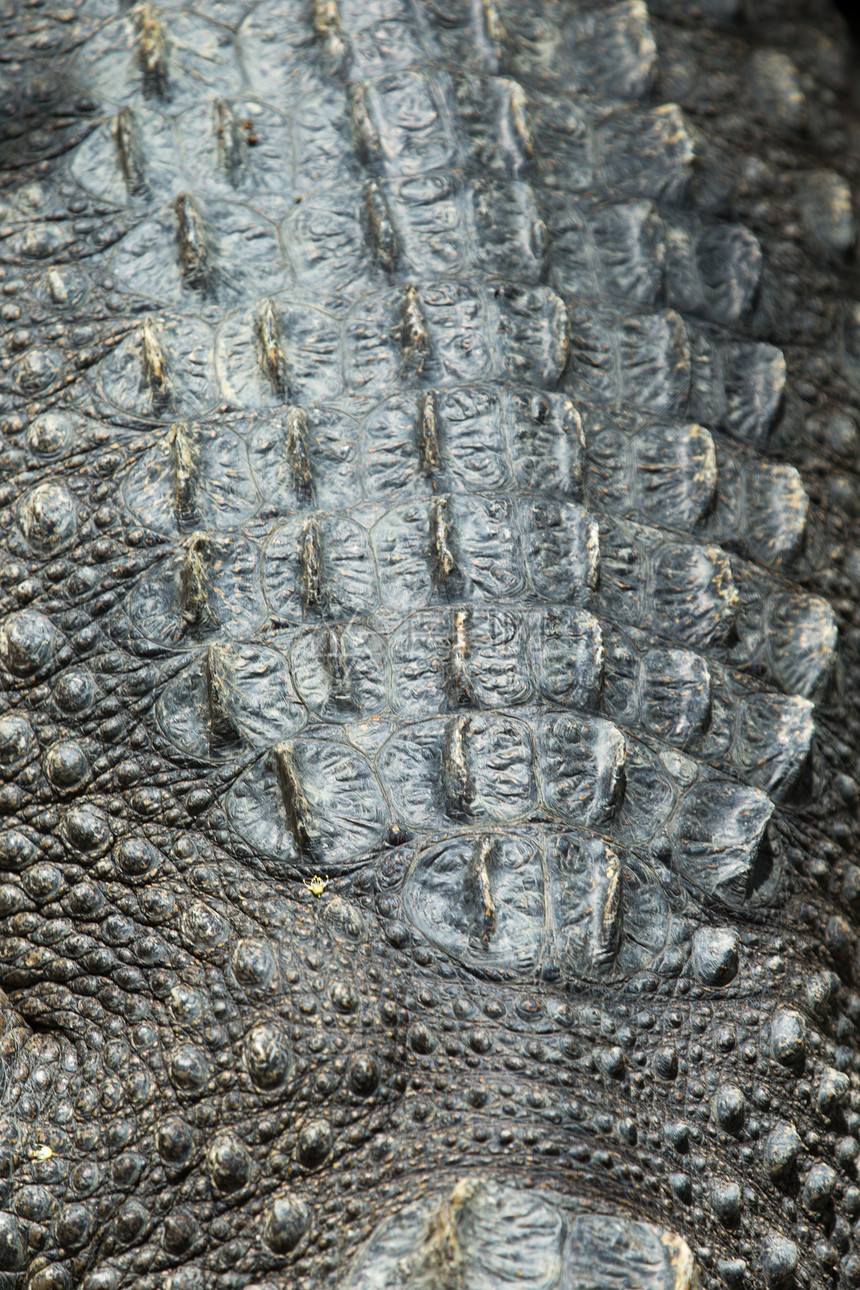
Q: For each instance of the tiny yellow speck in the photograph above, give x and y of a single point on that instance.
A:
(317, 885)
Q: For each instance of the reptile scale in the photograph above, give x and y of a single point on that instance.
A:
(429, 645)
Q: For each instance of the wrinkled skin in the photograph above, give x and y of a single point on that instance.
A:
(428, 645)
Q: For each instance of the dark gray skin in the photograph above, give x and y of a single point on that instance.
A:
(428, 646)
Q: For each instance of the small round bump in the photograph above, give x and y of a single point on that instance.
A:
(715, 955)
(363, 1075)
(186, 1005)
(130, 1222)
(179, 1232)
(847, 1153)
(49, 433)
(677, 1134)
(126, 1170)
(66, 764)
(102, 1279)
(75, 691)
(781, 1150)
(51, 1277)
(344, 996)
(285, 1223)
(727, 1203)
(733, 1271)
(174, 1141)
(85, 900)
(314, 1143)
(135, 857)
(72, 1226)
(480, 1040)
(612, 1061)
(345, 919)
(255, 966)
(17, 743)
(833, 1089)
(819, 992)
(729, 1108)
(397, 934)
(189, 1069)
(228, 1163)
(43, 882)
(157, 904)
(86, 829)
(779, 1260)
(203, 928)
(17, 850)
(421, 1038)
(27, 642)
(36, 1203)
(818, 1186)
(267, 1056)
(665, 1062)
(788, 1037)
(13, 1248)
(48, 517)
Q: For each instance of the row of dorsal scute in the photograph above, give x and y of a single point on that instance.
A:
(284, 351)
(623, 249)
(465, 548)
(474, 439)
(626, 232)
(239, 695)
(620, 42)
(484, 770)
(619, 50)
(480, 771)
(730, 249)
(273, 360)
(515, 128)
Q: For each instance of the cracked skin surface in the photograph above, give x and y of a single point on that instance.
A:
(429, 646)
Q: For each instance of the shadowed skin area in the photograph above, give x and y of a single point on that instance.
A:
(429, 665)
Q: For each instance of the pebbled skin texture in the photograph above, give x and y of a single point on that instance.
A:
(429, 646)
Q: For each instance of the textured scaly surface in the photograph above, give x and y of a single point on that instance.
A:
(429, 646)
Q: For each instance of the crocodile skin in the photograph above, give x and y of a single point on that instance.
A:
(428, 646)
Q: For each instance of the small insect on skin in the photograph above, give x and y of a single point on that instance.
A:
(316, 885)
